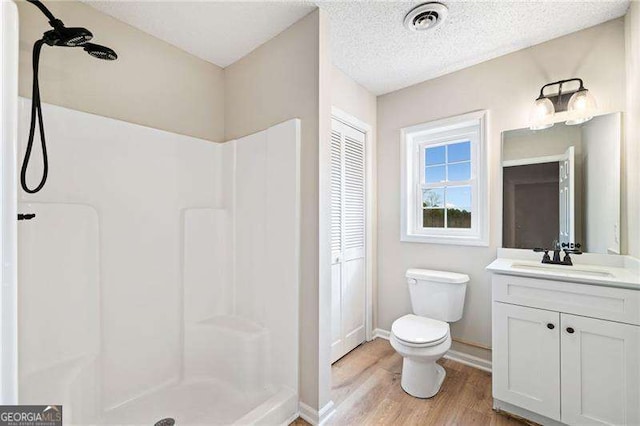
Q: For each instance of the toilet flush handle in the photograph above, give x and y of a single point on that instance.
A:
(412, 281)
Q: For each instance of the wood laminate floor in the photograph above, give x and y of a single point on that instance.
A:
(366, 390)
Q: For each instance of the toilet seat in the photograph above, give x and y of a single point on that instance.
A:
(416, 331)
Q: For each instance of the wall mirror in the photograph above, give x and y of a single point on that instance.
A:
(563, 184)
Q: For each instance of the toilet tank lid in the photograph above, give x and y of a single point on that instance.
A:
(437, 276)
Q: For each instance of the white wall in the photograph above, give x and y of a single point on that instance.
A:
(118, 190)
(266, 214)
(155, 257)
(280, 80)
(631, 149)
(507, 87)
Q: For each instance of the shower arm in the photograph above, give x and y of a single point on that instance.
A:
(53, 21)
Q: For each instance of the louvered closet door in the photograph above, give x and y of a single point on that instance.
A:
(347, 238)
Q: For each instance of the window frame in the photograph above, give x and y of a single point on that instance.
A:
(415, 139)
(421, 184)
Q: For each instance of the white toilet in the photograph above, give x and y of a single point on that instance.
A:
(422, 338)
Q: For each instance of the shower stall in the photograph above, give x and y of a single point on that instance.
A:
(159, 276)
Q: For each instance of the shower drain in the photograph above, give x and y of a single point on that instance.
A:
(165, 422)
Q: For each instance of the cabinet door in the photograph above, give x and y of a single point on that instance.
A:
(526, 358)
(600, 372)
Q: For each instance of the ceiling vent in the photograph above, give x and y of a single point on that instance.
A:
(425, 16)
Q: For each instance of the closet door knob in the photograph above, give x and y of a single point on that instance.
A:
(570, 330)
(551, 326)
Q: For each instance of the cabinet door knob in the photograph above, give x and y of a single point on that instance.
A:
(551, 326)
(570, 330)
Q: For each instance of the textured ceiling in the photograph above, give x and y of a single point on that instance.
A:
(216, 31)
(370, 43)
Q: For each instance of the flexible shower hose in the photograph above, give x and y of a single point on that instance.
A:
(36, 110)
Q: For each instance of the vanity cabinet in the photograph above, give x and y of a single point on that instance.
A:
(561, 351)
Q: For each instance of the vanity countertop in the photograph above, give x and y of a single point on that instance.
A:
(604, 270)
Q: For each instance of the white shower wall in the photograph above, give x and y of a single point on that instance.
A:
(267, 240)
(154, 259)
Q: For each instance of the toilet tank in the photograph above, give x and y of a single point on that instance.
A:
(437, 294)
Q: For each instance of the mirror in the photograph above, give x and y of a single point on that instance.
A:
(563, 184)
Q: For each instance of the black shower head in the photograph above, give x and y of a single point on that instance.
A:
(58, 36)
(100, 52)
(63, 36)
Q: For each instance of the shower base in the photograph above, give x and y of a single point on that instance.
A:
(205, 402)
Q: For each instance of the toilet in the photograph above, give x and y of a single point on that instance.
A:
(422, 338)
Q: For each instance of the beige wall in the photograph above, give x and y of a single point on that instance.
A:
(277, 81)
(152, 83)
(324, 224)
(506, 86)
(352, 98)
(631, 150)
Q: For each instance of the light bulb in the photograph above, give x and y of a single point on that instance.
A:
(581, 107)
(541, 114)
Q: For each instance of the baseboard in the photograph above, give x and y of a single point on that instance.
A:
(291, 419)
(470, 360)
(308, 414)
(457, 356)
(316, 417)
(383, 334)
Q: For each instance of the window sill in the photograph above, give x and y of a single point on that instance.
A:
(449, 240)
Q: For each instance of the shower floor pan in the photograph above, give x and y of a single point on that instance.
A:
(206, 402)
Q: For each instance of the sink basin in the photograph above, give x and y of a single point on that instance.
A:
(616, 271)
(564, 270)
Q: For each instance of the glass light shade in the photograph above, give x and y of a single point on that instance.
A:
(542, 114)
(581, 107)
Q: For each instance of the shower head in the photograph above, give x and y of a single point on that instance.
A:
(68, 37)
(100, 52)
(58, 36)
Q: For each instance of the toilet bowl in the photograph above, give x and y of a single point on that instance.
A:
(423, 337)
(421, 376)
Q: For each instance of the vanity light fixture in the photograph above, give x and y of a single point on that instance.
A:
(580, 105)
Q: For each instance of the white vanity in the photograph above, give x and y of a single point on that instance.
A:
(566, 333)
(566, 339)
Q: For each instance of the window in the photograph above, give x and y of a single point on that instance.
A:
(444, 181)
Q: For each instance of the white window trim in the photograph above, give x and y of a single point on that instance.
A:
(412, 138)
